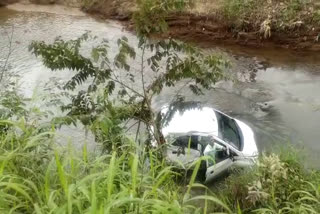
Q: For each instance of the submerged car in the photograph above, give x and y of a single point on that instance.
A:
(193, 133)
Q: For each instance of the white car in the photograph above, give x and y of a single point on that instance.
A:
(205, 131)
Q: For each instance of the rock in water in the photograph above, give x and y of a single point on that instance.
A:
(265, 106)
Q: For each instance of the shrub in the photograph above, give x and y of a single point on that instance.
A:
(268, 16)
(241, 13)
(278, 184)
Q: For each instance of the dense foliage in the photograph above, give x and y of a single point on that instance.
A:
(36, 176)
(278, 184)
(265, 17)
(160, 64)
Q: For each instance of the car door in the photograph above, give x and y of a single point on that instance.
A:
(184, 150)
(218, 162)
(181, 156)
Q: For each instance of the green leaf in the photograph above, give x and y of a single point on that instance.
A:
(95, 55)
(61, 173)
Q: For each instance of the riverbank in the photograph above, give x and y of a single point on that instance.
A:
(55, 9)
(208, 29)
(7, 2)
(69, 3)
(287, 24)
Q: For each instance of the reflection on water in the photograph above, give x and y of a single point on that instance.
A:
(288, 82)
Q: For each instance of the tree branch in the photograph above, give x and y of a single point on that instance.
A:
(10, 38)
(126, 86)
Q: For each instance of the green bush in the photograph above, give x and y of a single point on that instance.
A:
(239, 13)
(251, 15)
(278, 184)
(291, 11)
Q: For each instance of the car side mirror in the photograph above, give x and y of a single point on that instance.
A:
(228, 152)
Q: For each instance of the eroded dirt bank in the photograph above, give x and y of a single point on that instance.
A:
(54, 9)
(267, 23)
(205, 23)
(6, 2)
(70, 3)
(210, 29)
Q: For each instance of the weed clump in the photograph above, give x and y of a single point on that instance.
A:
(280, 16)
(277, 184)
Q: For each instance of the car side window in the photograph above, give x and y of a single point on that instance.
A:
(216, 153)
(228, 130)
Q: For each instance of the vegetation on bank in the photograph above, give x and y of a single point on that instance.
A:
(287, 23)
(272, 16)
(126, 174)
(36, 176)
(290, 23)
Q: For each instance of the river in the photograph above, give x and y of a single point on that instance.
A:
(288, 81)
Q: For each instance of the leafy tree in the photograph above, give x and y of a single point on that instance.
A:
(161, 63)
(150, 17)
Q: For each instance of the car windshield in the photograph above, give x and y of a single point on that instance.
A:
(195, 142)
(228, 130)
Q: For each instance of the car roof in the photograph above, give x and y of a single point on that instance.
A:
(196, 120)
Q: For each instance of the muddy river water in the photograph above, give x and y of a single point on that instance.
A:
(277, 92)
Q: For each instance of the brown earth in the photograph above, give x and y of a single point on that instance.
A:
(71, 3)
(201, 25)
(6, 2)
(210, 29)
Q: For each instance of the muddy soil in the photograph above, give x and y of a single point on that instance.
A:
(69, 3)
(206, 29)
(6, 2)
(199, 28)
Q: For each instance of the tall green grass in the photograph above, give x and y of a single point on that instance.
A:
(38, 177)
